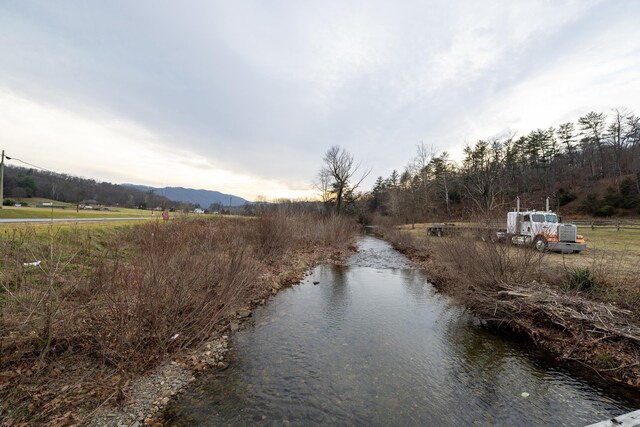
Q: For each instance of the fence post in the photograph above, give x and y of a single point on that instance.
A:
(618, 225)
(592, 227)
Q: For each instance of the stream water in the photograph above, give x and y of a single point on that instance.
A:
(374, 344)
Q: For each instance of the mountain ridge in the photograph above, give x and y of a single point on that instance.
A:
(202, 197)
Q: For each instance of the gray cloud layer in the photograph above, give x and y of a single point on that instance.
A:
(263, 88)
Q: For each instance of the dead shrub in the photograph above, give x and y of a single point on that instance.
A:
(484, 262)
(402, 241)
(189, 276)
(328, 231)
(275, 235)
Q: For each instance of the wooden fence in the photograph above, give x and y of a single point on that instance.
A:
(618, 224)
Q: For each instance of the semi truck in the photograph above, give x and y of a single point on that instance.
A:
(542, 230)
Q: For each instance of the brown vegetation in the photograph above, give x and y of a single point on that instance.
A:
(107, 304)
(586, 312)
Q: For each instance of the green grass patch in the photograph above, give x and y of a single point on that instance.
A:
(580, 279)
(42, 230)
(608, 238)
(43, 213)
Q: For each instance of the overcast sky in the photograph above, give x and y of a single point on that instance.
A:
(245, 96)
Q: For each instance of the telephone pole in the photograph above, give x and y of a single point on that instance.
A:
(2, 180)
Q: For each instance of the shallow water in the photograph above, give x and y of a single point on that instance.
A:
(374, 344)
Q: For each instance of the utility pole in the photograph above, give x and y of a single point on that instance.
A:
(2, 180)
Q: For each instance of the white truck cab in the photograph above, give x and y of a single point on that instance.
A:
(543, 230)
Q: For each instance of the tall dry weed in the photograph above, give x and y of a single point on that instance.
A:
(484, 262)
(189, 276)
(127, 298)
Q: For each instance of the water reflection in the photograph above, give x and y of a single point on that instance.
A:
(378, 346)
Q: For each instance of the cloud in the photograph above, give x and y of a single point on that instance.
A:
(247, 96)
(113, 149)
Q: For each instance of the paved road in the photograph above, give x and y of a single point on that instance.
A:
(24, 220)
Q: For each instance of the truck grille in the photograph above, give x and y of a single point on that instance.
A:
(567, 233)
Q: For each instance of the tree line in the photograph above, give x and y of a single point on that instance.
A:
(594, 161)
(23, 183)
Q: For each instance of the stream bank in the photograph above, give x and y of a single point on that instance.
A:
(587, 335)
(142, 401)
(372, 342)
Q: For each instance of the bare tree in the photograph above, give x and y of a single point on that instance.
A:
(483, 174)
(442, 168)
(620, 135)
(323, 185)
(339, 172)
(420, 168)
(592, 126)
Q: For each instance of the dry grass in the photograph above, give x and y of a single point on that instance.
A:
(582, 308)
(105, 304)
(612, 259)
(615, 273)
(483, 262)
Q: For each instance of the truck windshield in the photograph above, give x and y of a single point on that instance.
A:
(552, 218)
(537, 217)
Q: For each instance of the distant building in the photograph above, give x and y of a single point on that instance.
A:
(88, 204)
(198, 211)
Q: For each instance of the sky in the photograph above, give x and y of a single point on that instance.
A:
(245, 97)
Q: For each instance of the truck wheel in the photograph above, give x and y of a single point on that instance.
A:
(541, 244)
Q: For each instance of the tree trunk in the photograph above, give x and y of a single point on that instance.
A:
(339, 202)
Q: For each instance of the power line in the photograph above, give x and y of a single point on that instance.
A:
(29, 164)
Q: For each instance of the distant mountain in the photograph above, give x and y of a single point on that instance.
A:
(202, 197)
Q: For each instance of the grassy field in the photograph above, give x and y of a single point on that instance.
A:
(37, 200)
(70, 213)
(34, 212)
(607, 239)
(9, 230)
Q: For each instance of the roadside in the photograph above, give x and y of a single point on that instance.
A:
(111, 312)
(584, 309)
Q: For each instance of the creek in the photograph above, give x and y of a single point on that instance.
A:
(373, 343)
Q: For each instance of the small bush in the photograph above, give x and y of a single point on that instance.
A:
(580, 279)
(604, 360)
(605, 210)
(565, 196)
